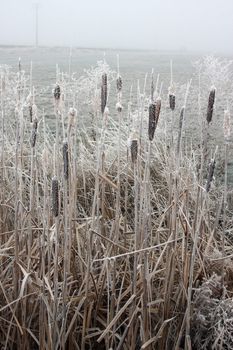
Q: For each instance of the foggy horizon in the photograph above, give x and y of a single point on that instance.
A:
(141, 25)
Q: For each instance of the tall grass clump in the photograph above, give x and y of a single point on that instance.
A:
(115, 228)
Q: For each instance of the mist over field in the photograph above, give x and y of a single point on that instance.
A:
(151, 24)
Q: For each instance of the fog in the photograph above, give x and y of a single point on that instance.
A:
(195, 25)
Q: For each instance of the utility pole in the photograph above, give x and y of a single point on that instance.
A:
(36, 29)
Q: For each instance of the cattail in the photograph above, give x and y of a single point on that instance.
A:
(119, 83)
(210, 174)
(104, 91)
(172, 101)
(65, 160)
(134, 150)
(227, 125)
(57, 92)
(152, 122)
(55, 197)
(210, 107)
(30, 113)
(34, 132)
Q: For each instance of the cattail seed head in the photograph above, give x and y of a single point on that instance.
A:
(33, 138)
(172, 101)
(210, 107)
(34, 132)
(134, 150)
(29, 102)
(119, 83)
(152, 121)
(104, 92)
(65, 151)
(133, 146)
(227, 125)
(30, 113)
(57, 92)
(55, 196)
(210, 175)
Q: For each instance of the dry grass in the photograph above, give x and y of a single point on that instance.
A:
(110, 238)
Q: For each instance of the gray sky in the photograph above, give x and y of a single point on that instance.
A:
(199, 25)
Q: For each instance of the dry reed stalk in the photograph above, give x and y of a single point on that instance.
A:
(227, 125)
(152, 86)
(171, 94)
(195, 230)
(55, 209)
(72, 115)
(66, 239)
(227, 136)
(210, 107)
(32, 186)
(180, 129)
(210, 174)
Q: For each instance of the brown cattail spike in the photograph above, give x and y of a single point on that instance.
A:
(29, 101)
(66, 159)
(134, 150)
(172, 101)
(104, 92)
(34, 132)
(55, 196)
(57, 92)
(210, 107)
(210, 174)
(152, 121)
(30, 113)
(119, 83)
